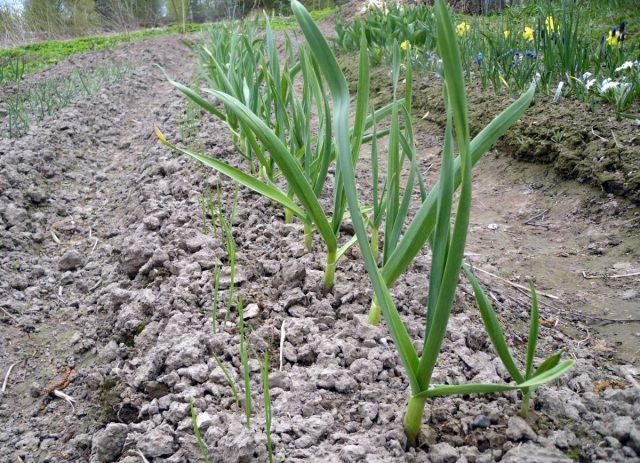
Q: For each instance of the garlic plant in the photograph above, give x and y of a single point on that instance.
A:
(272, 121)
(447, 243)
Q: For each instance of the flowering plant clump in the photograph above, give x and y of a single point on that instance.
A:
(463, 28)
(616, 35)
(621, 92)
(610, 84)
(588, 80)
(556, 43)
(628, 65)
(528, 34)
(613, 38)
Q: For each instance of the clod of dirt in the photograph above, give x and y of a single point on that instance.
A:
(106, 444)
(518, 429)
(71, 260)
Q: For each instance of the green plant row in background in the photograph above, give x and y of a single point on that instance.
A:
(243, 69)
(557, 41)
(286, 157)
(35, 56)
(17, 61)
(34, 103)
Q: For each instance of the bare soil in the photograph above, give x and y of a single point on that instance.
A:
(106, 282)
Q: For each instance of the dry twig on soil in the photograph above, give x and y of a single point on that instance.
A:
(606, 276)
(515, 285)
(6, 379)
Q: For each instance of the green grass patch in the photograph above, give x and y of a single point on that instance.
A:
(14, 62)
(42, 54)
(281, 23)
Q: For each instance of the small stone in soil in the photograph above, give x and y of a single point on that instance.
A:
(157, 442)
(71, 260)
(443, 453)
(151, 222)
(480, 421)
(251, 311)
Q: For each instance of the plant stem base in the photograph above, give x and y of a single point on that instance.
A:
(413, 419)
(524, 407)
(330, 271)
(308, 237)
(374, 312)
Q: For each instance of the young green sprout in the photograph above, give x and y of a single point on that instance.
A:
(266, 393)
(196, 430)
(244, 360)
(230, 382)
(496, 334)
(230, 245)
(215, 298)
(447, 243)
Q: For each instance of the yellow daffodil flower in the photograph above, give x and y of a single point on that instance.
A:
(549, 23)
(462, 28)
(528, 34)
(612, 38)
(506, 34)
(406, 45)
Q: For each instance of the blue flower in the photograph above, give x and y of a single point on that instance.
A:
(531, 54)
(479, 58)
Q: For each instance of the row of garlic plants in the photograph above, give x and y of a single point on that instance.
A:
(269, 104)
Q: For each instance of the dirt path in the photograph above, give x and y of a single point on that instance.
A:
(573, 241)
(106, 289)
(576, 243)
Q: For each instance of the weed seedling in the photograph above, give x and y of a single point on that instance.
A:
(267, 404)
(496, 334)
(230, 382)
(244, 360)
(215, 298)
(196, 430)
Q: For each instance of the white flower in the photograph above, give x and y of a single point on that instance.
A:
(377, 5)
(624, 66)
(590, 83)
(586, 75)
(607, 85)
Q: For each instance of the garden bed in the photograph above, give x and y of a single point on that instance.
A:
(115, 312)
